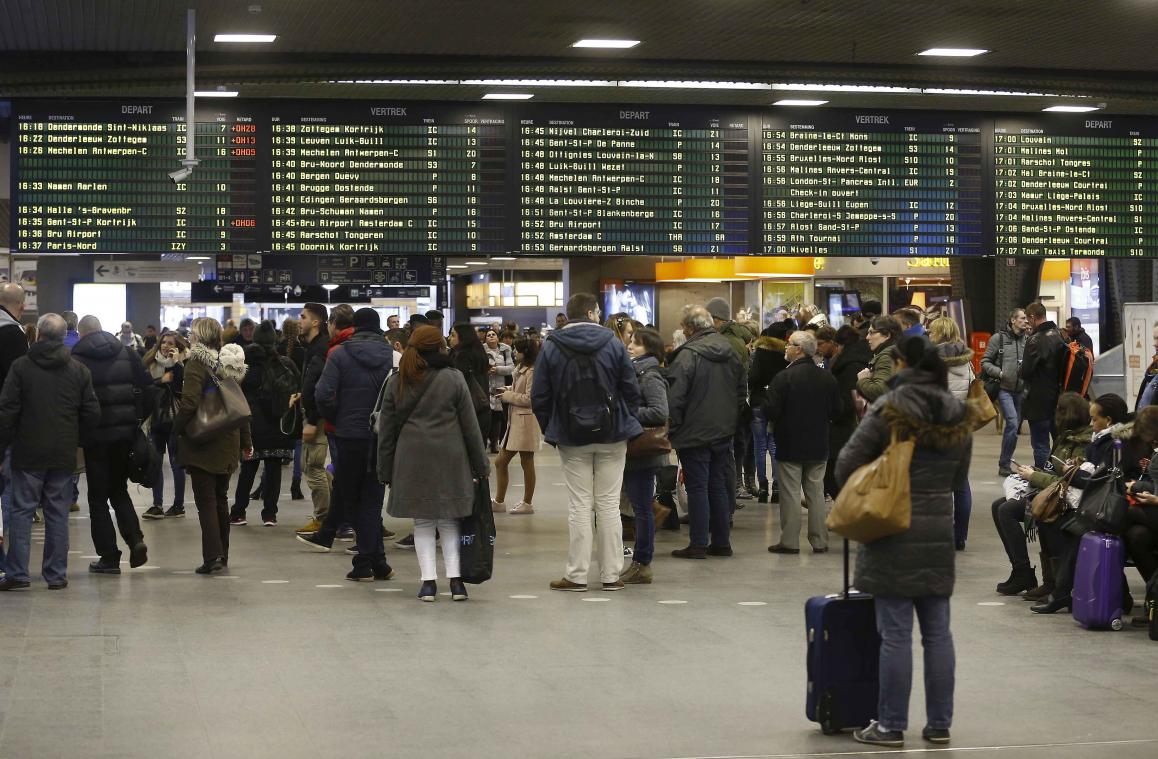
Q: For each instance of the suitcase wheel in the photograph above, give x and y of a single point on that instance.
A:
(827, 728)
(1116, 625)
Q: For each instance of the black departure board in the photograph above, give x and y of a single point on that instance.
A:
(1076, 186)
(615, 180)
(872, 184)
(92, 177)
(387, 178)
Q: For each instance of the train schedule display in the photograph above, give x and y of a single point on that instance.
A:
(1076, 186)
(91, 177)
(616, 180)
(872, 184)
(354, 178)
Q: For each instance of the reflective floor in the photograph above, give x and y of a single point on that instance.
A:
(284, 658)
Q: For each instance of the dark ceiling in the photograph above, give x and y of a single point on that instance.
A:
(1101, 49)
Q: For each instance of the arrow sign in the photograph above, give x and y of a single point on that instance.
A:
(146, 271)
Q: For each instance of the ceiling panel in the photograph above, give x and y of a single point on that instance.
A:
(1103, 49)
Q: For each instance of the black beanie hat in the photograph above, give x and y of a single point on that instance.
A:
(367, 319)
(265, 335)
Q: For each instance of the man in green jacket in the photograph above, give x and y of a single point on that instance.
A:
(738, 337)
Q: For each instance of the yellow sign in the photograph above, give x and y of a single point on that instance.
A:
(928, 262)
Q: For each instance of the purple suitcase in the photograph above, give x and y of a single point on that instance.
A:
(1097, 594)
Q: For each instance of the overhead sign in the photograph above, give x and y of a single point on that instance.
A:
(121, 271)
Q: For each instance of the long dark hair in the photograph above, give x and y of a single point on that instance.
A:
(920, 354)
(529, 350)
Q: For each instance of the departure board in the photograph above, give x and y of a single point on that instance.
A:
(1076, 186)
(397, 178)
(92, 177)
(617, 180)
(872, 184)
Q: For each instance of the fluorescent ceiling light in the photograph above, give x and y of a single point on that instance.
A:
(792, 101)
(508, 96)
(953, 52)
(393, 81)
(1071, 108)
(216, 93)
(476, 263)
(503, 258)
(616, 44)
(695, 85)
(842, 87)
(244, 37)
(197, 258)
(540, 82)
(989, 93)
(455, 266)
(329, 288)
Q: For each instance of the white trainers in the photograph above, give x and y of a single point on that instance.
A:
(522, 507)
(498, 507)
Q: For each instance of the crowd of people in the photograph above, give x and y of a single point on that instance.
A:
(723, 414)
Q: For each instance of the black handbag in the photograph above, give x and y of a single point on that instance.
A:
(164, 410)
(477, 537)
(1103, 505)
(144, 461)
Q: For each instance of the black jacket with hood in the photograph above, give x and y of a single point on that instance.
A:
(802, 401)
(265, 422)
(315, 362)
(919, 561)
(120, 379)
(767, 361)
(852, 359)
(47, 399)
(708, 384)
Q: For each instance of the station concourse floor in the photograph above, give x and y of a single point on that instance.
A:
(284, 658)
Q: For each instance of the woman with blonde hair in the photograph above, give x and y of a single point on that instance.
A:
(211, 462)
(428, 419)
(523, 435)
(958, 357)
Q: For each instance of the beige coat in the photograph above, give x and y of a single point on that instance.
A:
(523, 433)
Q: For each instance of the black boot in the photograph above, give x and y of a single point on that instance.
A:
(1019, 580)
(296, 491)
(762, 495)
(1048, 568)
(1051, 605)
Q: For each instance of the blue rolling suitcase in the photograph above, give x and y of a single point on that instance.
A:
(843, 658)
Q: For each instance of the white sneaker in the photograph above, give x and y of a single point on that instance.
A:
(522, 507)
(498, 507)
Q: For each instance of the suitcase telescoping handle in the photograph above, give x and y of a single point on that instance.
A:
(846, 584)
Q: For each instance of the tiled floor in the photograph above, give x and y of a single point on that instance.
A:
(162, 664)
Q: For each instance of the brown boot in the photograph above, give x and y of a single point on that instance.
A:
(660, 512)
(1048, 566)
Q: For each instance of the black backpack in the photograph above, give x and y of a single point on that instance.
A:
(586, 406)
(279, 381)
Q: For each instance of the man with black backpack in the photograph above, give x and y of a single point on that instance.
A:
(584, 395)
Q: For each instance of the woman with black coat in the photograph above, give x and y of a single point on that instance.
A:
(468, 355)
(852, 355)
(270, 443)
(767, 361)
(914, 569)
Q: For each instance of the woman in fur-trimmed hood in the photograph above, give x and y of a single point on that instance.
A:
(914, 569)
(210, 462)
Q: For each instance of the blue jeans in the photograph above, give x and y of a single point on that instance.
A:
(962, 508)
(1010, 405)
(706, 472)
(895, 625)
(164, 440)
(640, 487)
(763, 445)
(51, 489)
(1039, 439)
(297, 460)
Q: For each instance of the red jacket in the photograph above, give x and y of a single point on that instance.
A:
(342, 336)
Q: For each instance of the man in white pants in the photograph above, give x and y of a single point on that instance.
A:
(585, 396)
